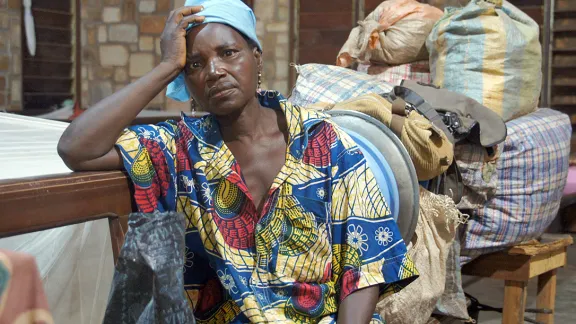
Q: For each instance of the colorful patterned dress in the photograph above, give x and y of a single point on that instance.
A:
(324, 232)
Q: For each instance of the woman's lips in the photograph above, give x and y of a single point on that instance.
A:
(219, 90)
(221, 93)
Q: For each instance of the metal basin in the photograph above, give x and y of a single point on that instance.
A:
(390, 163)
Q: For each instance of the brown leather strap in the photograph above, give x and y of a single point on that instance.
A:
(399, 107)
(397, 124)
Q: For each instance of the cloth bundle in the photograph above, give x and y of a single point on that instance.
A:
(428, 147)
(394, 33)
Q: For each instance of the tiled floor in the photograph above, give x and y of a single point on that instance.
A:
(491, 292)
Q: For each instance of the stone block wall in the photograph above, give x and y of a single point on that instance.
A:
(272, 27)
(121, 42)
(10, 55)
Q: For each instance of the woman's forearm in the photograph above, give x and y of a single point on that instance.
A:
(359, 306)
(94, 133)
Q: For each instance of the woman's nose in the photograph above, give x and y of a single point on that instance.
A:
(215, 70)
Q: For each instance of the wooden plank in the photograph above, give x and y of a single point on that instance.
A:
(559, 243)
(48, 18)
(47, 68)
(564, 60)
(50, 52)
(565, 50)
(43, 101)
(116, 236)
(52, 5)
(514, 302)
(54, 36)
(499, 266)
(564, 100)
(546, 296)
(326, 21)
(62, 200)
(543, 263)
(564, 5)
(58, 12)
(31, 85)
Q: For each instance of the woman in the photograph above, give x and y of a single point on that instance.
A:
(285, 222)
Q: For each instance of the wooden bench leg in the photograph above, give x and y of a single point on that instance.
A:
(514, 302)
(546, 296)
(117, 236)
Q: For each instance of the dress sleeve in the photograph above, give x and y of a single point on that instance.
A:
(367, 246)
(149, 155)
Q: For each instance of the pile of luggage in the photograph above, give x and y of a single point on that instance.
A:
(470, 123)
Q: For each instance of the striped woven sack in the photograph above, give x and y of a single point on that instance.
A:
(488, 50)
(332, 84)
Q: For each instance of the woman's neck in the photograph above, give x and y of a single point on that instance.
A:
(249, 124)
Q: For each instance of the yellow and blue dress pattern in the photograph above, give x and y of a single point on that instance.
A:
(324, 232)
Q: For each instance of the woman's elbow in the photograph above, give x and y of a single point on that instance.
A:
(67, 154)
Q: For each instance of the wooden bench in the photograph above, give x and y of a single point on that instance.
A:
(517, 266)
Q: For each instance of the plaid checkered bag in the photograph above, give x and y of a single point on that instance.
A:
(332, 84)
(531, 171)
(417, 71)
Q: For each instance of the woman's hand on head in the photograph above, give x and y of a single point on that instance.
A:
(173, 39)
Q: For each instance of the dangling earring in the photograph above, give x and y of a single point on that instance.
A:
(192, 105)
(259, 89)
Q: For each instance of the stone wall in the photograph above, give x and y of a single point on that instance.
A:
(120, 42)
(273, 24)
(10, 55)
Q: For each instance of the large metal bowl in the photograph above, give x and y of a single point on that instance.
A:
(389, 146)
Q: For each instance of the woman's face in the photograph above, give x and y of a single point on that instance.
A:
(221, 68)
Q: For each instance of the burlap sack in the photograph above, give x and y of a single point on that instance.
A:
(394, 33)
(434, 235)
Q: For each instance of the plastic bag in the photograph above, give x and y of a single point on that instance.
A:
(394, 33)
(148, 285)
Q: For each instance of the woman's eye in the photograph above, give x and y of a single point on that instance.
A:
(228, 52)
(195, 65)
